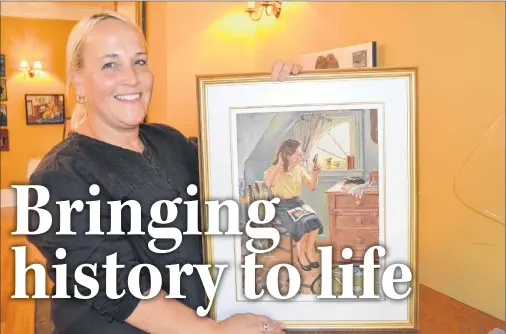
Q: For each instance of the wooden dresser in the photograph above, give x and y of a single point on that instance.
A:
(353, 222)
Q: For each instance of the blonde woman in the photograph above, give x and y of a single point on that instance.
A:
(286, 178)
(108, 65)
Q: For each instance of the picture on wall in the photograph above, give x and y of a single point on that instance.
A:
(2, 65)
(4, 140)
(3, 115)
(45, 109)
(351, 56)
(308, 145)
(3, 90)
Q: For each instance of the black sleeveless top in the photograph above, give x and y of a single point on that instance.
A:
(167, 167)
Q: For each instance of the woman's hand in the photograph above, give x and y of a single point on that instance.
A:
(316, 168)
(281, 163)
(281, 70)
(271, 175)
(248, 323)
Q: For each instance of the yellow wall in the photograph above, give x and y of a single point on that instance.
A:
(459, 50)
(30, 39)
(155, 14)
(219, 38)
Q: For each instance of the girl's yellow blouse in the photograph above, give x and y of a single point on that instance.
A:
(289, 184)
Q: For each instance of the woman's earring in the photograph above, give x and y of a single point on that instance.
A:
(80, 99)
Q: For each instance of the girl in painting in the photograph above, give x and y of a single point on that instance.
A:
(286, 178)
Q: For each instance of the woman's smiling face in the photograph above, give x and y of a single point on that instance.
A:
(115, 79)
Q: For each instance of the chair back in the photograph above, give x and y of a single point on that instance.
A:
(259, 191)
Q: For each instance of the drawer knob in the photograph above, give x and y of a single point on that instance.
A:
(359, 221)
(358, 202)
(359, 240)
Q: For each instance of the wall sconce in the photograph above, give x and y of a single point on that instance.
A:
(31, 71)
(270, 8)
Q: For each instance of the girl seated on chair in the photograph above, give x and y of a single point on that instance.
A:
(285, 179)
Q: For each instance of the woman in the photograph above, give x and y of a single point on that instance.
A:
(108, 65)
(285, 179)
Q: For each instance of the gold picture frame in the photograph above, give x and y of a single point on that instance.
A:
(391, 93)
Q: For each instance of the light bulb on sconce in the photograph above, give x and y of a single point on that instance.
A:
(270, 8)
(31, 71)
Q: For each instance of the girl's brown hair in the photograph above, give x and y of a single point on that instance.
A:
(287, 148)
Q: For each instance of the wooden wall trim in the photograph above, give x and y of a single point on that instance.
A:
(7, 198)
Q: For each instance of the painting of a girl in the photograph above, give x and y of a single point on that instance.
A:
(286, 178)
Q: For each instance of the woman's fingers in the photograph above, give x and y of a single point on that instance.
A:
(276, 70)
(273, 327)
(285, 71)
(281, 70)
(267, 325)
(297, 68)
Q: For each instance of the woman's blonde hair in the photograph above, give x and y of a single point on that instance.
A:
(74, 55)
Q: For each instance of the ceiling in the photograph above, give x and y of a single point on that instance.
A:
(63, 10)
(92, 4)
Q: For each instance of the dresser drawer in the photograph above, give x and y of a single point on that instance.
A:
(355, 239)
(350, 201)
(370, 221)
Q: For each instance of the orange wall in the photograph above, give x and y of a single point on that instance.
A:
(459, 50)
(155, 14)
(30, 39)
(220, 38)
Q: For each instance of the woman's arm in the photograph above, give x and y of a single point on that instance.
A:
(311, 182)
(65, 184)
(157, 315)
(271, 175)
(169, 316)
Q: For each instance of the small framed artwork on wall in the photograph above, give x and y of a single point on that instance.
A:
(3, 115)
(2, 65)
(351, 56)
(4, 140)
(3, 90)
(45, 109)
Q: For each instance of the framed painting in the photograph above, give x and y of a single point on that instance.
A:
(351, 56)
(2, 65)
(44, 109)
(3, 90)
(3, 115)
(319, 216)
(134, 10)
(4, 140)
